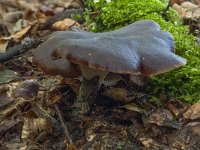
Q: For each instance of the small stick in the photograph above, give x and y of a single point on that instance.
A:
(59, 113)
(28, 43)
(16, 107)
(41, 113)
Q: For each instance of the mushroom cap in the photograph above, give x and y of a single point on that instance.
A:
(42, 58)
(139, 48)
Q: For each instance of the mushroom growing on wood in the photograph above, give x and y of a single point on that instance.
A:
(140, 48)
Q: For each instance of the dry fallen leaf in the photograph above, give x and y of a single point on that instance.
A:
(64, 24)
(3, 45)
(4, 40)
(185, 10)
(140, 80)
(116, 93)
(32, 127)
(15, 145)
(40, 15)
(26, 90)
(133, 107)
(73, 83)
(177, 107)
(112, 79)
(4, 98)
(19, 34)
(193, 112)
(12, 17)
(150, 143)
(160, 116)
(163, 117)
(9, 123)
(186, 138)
(7, 76)
(20, 25)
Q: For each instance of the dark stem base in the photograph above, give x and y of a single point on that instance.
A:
(86, 96)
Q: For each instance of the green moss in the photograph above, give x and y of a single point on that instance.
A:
(182, 83)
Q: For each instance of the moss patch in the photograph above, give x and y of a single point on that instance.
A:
(182, 83)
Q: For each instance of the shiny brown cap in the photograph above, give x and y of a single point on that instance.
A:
(43, 60)
(140, 48)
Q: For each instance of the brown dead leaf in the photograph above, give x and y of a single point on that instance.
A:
(50, 83)
(20, 25)
(9, 3)
(73, 83)
(4, 98)
(150, 143)
(19, 106)
(3, 45)
(7, 76)
(27, 90)
(71, 147)
(40, 15)
(133, 107)
(73, 3)
(3, 30)
(193, 112)
(163, 117)
(116, 93)
(53, 97)
(177, 107)
(160, 116)
(8, 123)
(24, 5)
(15, 145)
(18, 35)
(42, 113)
(12, 17)
(2, 8)
(67, 3)
(112, 79)
(186, 138)
(185, 10)
(32, 127)
(138, 79)
(64, 24)
(190, 6)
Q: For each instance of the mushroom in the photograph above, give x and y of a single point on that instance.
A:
(140, 48)
(42, 58)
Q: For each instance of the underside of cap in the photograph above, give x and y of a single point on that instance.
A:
(140, 48)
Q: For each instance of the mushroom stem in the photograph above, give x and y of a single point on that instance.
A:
(91, 82)
(86, 96)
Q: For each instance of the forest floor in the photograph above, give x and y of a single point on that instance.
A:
(35, 108)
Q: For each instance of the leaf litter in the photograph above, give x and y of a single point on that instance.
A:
(35, 108)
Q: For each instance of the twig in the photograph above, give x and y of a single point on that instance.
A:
(59, 113)
(26, 44)
(16, 107)
(40, 112)
(60, 16)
